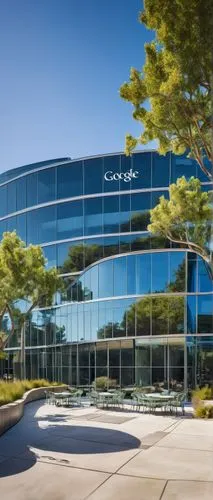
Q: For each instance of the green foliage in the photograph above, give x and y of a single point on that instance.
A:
(186, 217)
(204, 411)
(10, 391)
(176, 80)
(104, 383)
(23, 276)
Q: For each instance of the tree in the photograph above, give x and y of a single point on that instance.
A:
(173, 94)
(185, 218)
(25, 283)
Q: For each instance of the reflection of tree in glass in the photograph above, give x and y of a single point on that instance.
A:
(111, 329)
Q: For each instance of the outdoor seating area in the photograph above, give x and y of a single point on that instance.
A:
(65, 398)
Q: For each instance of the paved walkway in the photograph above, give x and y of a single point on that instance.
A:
(87, 453)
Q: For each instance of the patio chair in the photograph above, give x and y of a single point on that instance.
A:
(117, 399)
(178, 402)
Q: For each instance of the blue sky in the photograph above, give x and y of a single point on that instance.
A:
(62, 63)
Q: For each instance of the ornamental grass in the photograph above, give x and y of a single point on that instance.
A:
(10, 391)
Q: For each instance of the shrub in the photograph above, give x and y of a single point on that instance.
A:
(204, 411)
(10, 391)
(203, 393)
(104, 383)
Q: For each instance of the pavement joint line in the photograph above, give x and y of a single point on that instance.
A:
(163, 478)
(129, 459)
(97, 488)
(162, 493)
(181, 448)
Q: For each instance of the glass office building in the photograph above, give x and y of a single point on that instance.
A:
(134, 307)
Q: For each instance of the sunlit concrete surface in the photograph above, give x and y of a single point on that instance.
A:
(88, 453)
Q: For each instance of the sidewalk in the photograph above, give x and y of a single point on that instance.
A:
(88, 453)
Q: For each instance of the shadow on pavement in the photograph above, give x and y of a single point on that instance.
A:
(56, 437)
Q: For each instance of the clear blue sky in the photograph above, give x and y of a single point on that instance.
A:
(62, 63)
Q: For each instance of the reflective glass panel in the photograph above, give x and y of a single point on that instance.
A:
(183, 166)
(205, 314)
(120, 276)
(3, 198)
(131, 275)
(177, 272)
(70, 180)
(205, 283)
(69, 220)
(21, 226)
(70, 256)
(111, 166)
(160, 170)
(32, 189)
(93, 218)
(126, 172)
(143, 274)
(191, 314)
(41, 225)
(143, 316)
(106, 279)
(93, 176)
(111, 246)
(11, 197)
(46, 185)
(160, 272)
(192, 272)
(111, 214)
(160, 315)
(142, 165)
(50, 255)
(140, 206)
(94, 271)
(125, 213)
(93, 250)
(21, 193)
(176, 314)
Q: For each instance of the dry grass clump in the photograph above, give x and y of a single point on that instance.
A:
(10, 391)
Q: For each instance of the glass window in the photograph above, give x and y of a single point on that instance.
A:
(205, 283)
(127, 353)
(125, 213)
(101, 354)
(111, 214)
(205, 316)
(192, 272)
(70, 257)
(159, 242)
(70, 180)
(120, 276)
(160, 269)
(142, 165)
(3, 198)
(93, 176)
(93, 218)
(176, 314)
(41, 225)
(94, 321)
(106, 279)
(70, 220)
(11, 197)
(32, 189)
(143, 316)
(114, 353)
(21, 226)
(126, 169)
(93, 250)
(140, 242)
(50, 255)
(160, 316)
(191, 314)
(177, 272)
(160, 170)
(111, 166)
(143, 274)
(131, 275)
(94, 282)
(3, 227)
(125, 243)
(11, 224)
(108, 326)
(21, 201)
(142, 353)
(119, 317)
(183, 166)
(140, 206)
(204, 361)
(111, 246)
(46, 185)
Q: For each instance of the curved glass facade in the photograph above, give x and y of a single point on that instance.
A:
(134, 308)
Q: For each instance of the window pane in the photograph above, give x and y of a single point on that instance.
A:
(192, 272)
(120, 276)
(140, 206)
(142, 164)
(3, 204)
(93, 176)
(21, 191)
(11, 197)
(125, 213)
(143, 316)
(93, 250)
(111, 214)
(41, 225)
(176, 314)
(177, 272)
(46, 185)
(111, 166)
(32, 189)
(106, 279)
(160, 316)
(93, 218)
(191, 314)
(50, 255)
(205, 283)
(131, 275)
(183, 166)
(94, 281)
(205, 316)
(160, 170)
(126, 166)
(160, 268)
(70, 180)
(111, 246)
(143, 274)
(70, 220)
(21, 226)
(70, 257)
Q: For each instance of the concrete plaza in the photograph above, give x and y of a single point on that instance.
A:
(87, 453)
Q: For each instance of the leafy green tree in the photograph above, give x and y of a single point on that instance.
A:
(25, 280)
(173, 94)
(185, 218)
